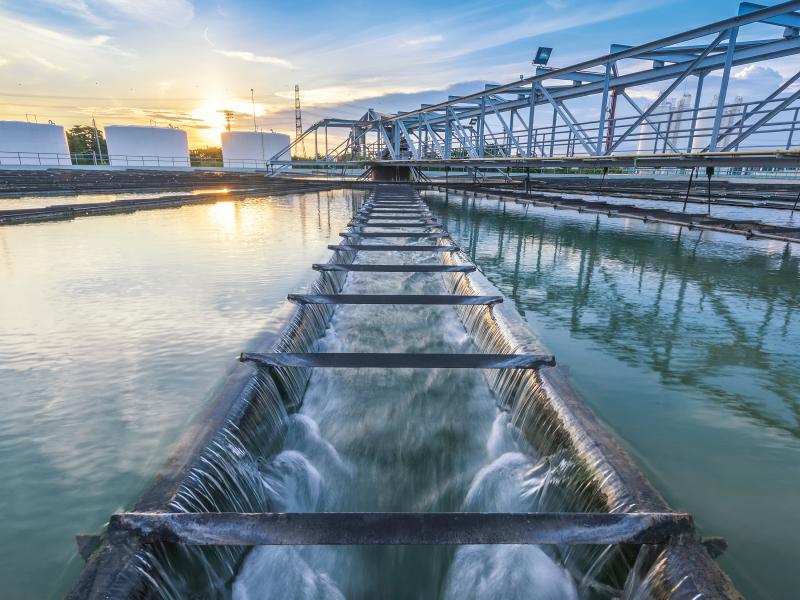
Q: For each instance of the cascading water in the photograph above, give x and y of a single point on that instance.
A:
(378, 440)
(394, 440)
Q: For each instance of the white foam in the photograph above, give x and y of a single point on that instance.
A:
(500, 572)
(279, 573)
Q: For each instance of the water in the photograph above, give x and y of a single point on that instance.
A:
(113, 332)
(685, 343)
(769, 216)
(34, 201)
(399, 440)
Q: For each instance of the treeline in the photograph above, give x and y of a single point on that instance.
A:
(82, 141)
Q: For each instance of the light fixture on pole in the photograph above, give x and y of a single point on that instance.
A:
(253, 101)
(542, 56)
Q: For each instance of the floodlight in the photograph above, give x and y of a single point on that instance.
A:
(542, 56)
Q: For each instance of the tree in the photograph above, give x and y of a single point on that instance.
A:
(210, 156)
(81, 140)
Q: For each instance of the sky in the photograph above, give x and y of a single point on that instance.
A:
(182, 62)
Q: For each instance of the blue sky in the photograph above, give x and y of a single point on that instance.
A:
(183, 61)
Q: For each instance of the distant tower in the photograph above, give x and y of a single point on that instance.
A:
(228, 119)
(298, 118)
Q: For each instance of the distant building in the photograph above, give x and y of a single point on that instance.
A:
(253, 149)
(705, 123)
(138, 146)
(23, 143)
(650, 142)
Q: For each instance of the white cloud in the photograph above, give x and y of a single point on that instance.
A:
(40, 60)
(430, 39)
(101, 13)
(494, 30)
(644, 93)
(751, 72)
(159, 11)
(341, 94)
(56, 37)
(79, 9)
(255, 58)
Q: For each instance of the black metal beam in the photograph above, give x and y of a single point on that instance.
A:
(409, 234)
(389, 225)
(366, 218)
(396, 268)
(394, 299)
(392, 360)
(394, 248)
(263, 529)
(379, 212)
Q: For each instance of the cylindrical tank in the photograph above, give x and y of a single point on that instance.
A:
(252, 149)
(138, 146)
(24, 143)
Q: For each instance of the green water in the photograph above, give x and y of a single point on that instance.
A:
(686, 344)
(113, 332)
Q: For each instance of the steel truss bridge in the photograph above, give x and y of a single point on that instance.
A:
(590, 114)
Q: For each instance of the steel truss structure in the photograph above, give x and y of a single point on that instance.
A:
(540, 119)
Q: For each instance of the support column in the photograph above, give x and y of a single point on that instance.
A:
(723, 88)
(693, 125)
(481, 128)
(531, 111)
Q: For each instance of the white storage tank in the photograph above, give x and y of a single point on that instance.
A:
(24, 143)
(252, 149)
(138, 146)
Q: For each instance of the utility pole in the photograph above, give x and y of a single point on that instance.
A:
(97, 139)
(253, 102)
(229, 114)
(298, 118)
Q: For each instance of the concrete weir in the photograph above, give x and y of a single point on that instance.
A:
(603, 497)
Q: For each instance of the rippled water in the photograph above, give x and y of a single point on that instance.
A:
(113, 332)
(686, 344)
(114, 329)
(399, 440)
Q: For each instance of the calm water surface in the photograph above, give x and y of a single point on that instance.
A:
(685, 343)
(113, 332)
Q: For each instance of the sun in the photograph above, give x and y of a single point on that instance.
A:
(210, 117)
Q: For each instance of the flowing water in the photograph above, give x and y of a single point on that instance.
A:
(399, 440)
(394, 440)
(685, 343)
(682, 342)
(113, 332)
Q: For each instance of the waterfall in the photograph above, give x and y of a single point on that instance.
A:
(398, 440)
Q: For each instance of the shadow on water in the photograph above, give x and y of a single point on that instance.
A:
(684, 342)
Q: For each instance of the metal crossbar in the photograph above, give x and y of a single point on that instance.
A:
(410, 234)
(394, 248)
(394, 299)
(396, 268)
(391, 360)
(127, 532)
(365, 218)
(268, 529)
(390, 225)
